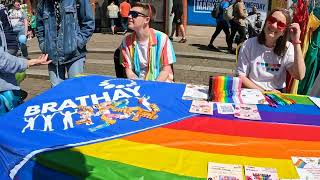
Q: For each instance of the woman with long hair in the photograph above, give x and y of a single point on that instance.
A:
(264, 60)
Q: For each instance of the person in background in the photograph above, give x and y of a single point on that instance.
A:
(124, 12)
(10, 65)
(254, 11)
(254, 22)
(146, 53)
(263, 61)
(238, 24)
(71, 24)
(19, 23)
(11, 37)
(113, 11)
(177, 23)
(33, 23)
(221, 24)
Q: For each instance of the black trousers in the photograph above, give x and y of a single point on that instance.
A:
(234, 29)
(221, 25)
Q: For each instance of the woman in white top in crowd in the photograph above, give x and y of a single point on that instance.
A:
(264, 60)
(113, 11)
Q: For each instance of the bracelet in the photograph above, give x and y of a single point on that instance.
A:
(296, 42)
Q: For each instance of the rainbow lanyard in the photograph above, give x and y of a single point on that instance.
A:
(136, 60)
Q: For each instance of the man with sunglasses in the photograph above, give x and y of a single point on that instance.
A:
(146, 53)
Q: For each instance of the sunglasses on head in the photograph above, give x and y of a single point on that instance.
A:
(135, 14)
(280, 25)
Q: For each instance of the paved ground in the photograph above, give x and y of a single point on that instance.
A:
(195, 62)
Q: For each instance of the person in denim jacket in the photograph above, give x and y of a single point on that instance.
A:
(63, 29)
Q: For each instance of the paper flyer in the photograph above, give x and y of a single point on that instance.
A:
(260, 173)
(195, 92)
(225, 108)
(246, 111)
(252, 96)
(201, 107)
(307, 167)
(218, 171)
(315, 100)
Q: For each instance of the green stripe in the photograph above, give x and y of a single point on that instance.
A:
(301, 99)
(87, 167)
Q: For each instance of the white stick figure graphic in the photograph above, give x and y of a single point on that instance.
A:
(30, 122)
(47, 121)
(68, 119)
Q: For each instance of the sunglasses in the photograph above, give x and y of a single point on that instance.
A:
(135, 14)
(280, 25)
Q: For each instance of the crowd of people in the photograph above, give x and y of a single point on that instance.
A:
(147, 53)
(245, 24)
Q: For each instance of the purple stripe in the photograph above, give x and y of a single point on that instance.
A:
(283, 118)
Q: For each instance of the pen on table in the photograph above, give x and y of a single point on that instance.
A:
(270, 101)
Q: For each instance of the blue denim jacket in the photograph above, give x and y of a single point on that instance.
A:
(76, 29)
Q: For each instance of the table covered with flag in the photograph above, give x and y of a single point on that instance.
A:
(175, 145)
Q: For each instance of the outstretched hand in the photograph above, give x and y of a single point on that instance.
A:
(41, 60)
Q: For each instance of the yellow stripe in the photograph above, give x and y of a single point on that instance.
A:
(178, 161)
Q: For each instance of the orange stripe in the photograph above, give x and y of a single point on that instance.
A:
(230, 145)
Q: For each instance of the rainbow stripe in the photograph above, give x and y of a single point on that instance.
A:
(300, 163)
(224, 89)
(182, 150)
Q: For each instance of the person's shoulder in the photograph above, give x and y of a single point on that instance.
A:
(128, 39)
(127, 4)
(224, 3)
(253, 40)
(159, 34)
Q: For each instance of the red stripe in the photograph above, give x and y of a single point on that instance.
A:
(248, 128)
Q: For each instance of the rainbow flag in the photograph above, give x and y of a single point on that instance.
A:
(225, 89)
(183, 149)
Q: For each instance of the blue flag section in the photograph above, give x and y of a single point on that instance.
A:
(86, 110)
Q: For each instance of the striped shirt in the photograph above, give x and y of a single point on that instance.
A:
(160, 53)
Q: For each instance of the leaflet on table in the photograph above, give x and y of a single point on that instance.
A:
(195, 92)
(225, 108)
(218, 171)
(252, 96)
(307, 167)
(253, 173)
(315, 100)
(246, 111)
(201, 107)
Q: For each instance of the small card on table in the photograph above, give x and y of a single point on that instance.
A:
(253, 173)
(201, 107)
(217, 171)
(225, 108)
(245, 111)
